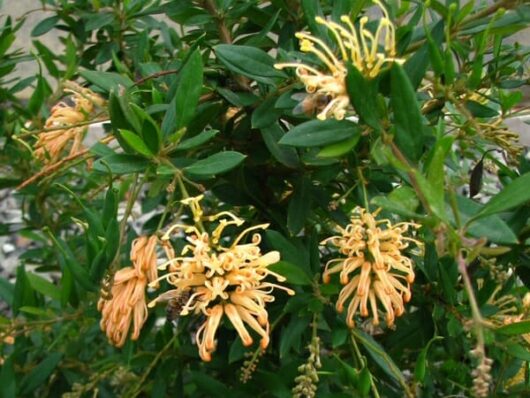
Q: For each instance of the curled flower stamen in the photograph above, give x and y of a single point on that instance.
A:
(222, 280)
(375, 269)
(64, 126)
(127, 303)
(358, 46)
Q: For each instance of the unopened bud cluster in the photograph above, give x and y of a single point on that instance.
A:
(481, 374)
(306, 382)
(249, 366)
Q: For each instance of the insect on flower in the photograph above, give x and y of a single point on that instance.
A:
(222, 280)
(310, 103)
(356, 45)
(175, 305)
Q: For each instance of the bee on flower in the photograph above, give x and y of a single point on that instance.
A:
(221, 280)
(356, 45)
(373, 268)
(126, 302)
(63, 126)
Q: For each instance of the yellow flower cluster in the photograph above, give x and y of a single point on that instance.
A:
(356, 45)
(374, 269)
(127, 302)
(62, 126)
(221, 280)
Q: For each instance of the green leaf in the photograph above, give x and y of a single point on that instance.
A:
(198, 140)
(514, 194)
(299, 206)
(40, 373)
(122, 164)
(480, 111)
(248, 61)
(7, 289)
(421, 362)
(435, 171)
(292, 334)
(379, 355)
(518, 351)
(491, 227)
(45, 26)
(407, 116)
(209, 385)
(435, 201)
(106, 80)
(216, 164)
(514, 329)
(265, 114)
(402, 201)
(98, 21)
(363, 96)
(285, 155)
(340, 148)
(319, 133)
(8, 379)
(42, 90)
(135, 142)
(294, 274)
(417, 64)
(189, 89)
(44, 286)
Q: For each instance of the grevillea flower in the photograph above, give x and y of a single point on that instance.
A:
(221, 280)
(127, 302)
(64, 121)
(359, 46)
(374, 270)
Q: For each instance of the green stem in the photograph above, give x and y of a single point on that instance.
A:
(363, 184)
(362, 360)
(137, 389)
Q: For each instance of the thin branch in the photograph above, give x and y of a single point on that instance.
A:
(56, 166)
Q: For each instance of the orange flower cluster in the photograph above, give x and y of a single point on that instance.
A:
(221, 280)
(127, 303)
(374, 268)
(62, 126)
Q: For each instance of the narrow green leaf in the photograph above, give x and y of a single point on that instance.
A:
(248, 61)
(292, 334)
(197, 140)
(514, 194)
(435, 170)
(340, 148)
(435, 201)
(189, 89)
(319, 133)
(7, 290)
(379, 355)
(40, 373)
(363, 96)
(106, 80)
(299, 206)
(121, 164)
(407, 116)
(265, 114)
(491, 227)
(518, 351)
(8, 379)
(294, 274)
(135, 142)
(44, 286)
(216, 164)
(45, 26)
(514, 329)
(287, 156)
